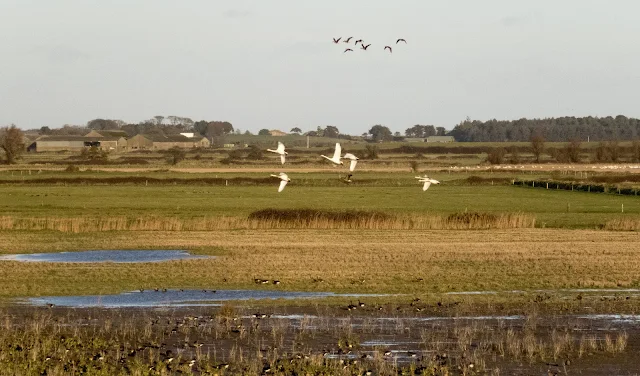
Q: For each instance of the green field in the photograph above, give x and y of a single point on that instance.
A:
(392, 193)
(503, 258)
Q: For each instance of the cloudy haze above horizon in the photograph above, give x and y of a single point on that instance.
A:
(272, 64)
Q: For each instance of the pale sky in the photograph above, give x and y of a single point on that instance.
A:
(272, 63)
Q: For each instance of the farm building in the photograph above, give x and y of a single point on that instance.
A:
(275, 132)
(107, 133)
(440, 139)
(77, 143)
(414, 139)
(112, 140)
(161, 142)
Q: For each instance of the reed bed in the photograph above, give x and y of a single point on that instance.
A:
(623, 224)
(275, 219)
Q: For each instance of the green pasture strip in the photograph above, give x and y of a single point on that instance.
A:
(552, 208)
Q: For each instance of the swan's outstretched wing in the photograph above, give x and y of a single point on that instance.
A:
(280, 148)
(336, 154)
(282, 184)
(282, 158)
(352, 165)
(426, 185)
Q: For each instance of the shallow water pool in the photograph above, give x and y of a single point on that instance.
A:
(118, 256)
(174, 298)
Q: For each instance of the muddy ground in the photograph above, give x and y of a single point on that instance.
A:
(353, 339)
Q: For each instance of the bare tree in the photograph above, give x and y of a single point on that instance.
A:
(614, 150)
(174, 120)
(572, 150)
(537, 146)
(12, 143)
(158, 119)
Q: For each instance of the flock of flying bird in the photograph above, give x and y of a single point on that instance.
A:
(364, 46)
(336, 159)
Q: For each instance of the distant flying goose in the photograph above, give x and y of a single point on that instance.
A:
(353, 159)
(348, 49)
(385, 47)
(279, 150)
(347, 40)
(336, 40)
(365, 47)
(358, 41)
(401, 40)
(336, 155)
(284, 179)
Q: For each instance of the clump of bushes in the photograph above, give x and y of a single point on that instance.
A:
(94, 154)
(470, 217)
(175, 155)
(496, 155)
(310, 215)
(72, 168)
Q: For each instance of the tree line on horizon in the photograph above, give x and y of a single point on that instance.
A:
(562, 129)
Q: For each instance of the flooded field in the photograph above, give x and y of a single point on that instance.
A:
(227, 332)
(319, 302)
(118, 256)
(175, 298)
(368, 339)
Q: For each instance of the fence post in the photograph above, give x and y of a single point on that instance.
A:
(568, 207)
(623, 208)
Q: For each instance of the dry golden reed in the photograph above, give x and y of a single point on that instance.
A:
(623, 224)
(371, 222)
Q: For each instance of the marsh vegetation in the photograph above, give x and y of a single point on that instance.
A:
(441, 260)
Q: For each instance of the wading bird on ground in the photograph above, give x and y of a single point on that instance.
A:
(336, 155)
(348, 179)
(284, 179)
(280, 150)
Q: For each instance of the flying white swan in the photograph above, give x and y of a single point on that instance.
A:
(336, 155)
(279, 150)
(284, 179)
(353, 159)
(427, 181)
